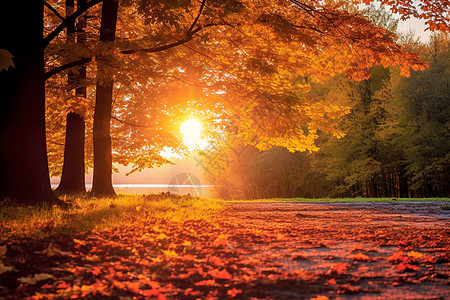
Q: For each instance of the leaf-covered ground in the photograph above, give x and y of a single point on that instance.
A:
(388, 250)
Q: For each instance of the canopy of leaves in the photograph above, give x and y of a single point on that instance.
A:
(238, 64)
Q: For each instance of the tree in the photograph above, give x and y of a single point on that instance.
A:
(102, 181)
(422, 114)
(72, 177)
(23, 158)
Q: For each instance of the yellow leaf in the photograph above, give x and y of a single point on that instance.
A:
(170, 253)
(415, 254)
(161, 236)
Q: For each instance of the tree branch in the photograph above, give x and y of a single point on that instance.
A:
(54, 11)
(70, 19)
(159, 48)
(189, 36)
(198, 17)
(160, 131)
(72, 64)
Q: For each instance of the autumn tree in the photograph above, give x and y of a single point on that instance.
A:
(102, 181)
(23, 154)
(72, 177)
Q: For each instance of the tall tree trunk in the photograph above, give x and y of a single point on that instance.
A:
(72, 177)
(102, 178)
(24, 174)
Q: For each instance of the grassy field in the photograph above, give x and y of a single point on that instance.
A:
(97, 213)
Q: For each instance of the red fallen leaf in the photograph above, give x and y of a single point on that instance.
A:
(429, 259)
(297, 256)
(188, 257)
(397, 256)
(221, 241)
(233, 292)
(359, 256)
(62, 285)
(191, 292)
(209, 282)
(349, 289)
(212, 295)
(220, 274)
(46, 286)
(338, 268)
(407, 267)
(332, 281)
(215, 261)
(96, 271)
(153, 293)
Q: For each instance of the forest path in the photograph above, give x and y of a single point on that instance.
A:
(388, 250)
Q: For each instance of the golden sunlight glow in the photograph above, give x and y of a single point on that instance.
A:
(191, 131)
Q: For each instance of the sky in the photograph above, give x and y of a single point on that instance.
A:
(418, 26)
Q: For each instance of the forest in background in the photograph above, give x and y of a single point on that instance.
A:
(396, 143)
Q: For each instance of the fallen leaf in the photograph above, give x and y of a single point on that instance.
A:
(36, 278)
(4, 269)
(233, 292)
(170, 253)
(209, 282)
(3, 250)
(359, 256)
(415, 254)
(62, 285)
(338, 268)
(407, 267)
(161, 236)
(215, 261)
(220, 274)
(397, 256)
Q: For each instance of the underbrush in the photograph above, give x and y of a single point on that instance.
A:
(96, 213)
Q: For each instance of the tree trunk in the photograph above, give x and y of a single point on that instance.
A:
(403, 184)
(102, 178)
(72, 178)
(24, 174)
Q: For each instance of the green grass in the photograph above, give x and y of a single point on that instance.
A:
(97, 213)
(339, 200)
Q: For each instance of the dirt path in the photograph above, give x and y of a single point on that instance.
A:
(388, 250)
(395, 250)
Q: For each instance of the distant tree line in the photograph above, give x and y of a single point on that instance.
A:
(396, 143)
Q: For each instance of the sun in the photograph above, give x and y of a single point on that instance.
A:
(191, 131)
